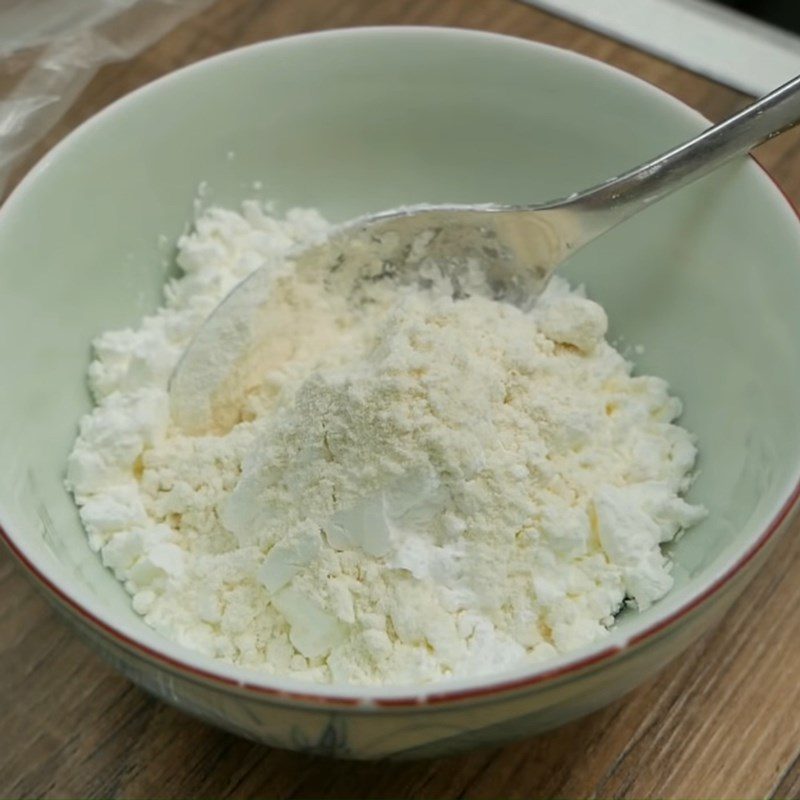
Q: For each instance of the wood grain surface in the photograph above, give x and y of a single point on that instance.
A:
(722, 722)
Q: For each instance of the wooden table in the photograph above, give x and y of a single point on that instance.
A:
(722, 722)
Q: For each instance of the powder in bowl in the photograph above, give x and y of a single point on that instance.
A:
(415, 488)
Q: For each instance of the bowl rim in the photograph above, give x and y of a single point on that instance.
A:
(419, 696)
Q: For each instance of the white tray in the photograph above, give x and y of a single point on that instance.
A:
(725, 45)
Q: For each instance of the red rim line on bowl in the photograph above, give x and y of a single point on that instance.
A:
(445, 696)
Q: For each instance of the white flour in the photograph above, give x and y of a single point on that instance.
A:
(416, 489)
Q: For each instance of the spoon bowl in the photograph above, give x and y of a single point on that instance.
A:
(501, 252)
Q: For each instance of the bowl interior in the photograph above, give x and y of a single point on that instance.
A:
(355, 121)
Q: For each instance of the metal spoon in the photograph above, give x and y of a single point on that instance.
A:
(517, 249)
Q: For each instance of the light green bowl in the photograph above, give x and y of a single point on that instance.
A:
(359, 120)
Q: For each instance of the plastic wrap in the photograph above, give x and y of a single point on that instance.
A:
(50, 49)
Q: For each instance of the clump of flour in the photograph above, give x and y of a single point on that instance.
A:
(416, 488)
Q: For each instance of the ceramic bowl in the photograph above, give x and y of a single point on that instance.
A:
(353, 121)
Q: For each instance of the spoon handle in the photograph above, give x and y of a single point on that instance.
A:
(613, 201)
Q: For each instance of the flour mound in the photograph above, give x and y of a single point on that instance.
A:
(414, 489)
